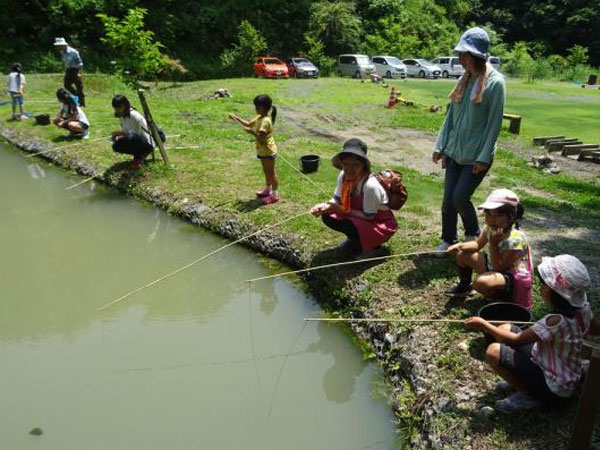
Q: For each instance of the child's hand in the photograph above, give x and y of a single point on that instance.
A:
(232, 116)
(496, 236)
(455, 248)
(475, 323)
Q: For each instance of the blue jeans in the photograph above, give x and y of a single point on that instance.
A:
(459, 185)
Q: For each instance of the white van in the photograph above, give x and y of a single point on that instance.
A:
(357, 66)
(389, 66)
(450, 65)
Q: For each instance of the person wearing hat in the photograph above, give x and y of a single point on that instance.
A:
(506, 271)
(467, 140)
(73, 67)
(543, 363)
(358, 208)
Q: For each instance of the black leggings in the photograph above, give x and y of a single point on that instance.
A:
(346, 227)
(133, 145)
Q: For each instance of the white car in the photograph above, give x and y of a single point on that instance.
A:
(450, 65)
(421, 68)
(495, 62)
(389, 66)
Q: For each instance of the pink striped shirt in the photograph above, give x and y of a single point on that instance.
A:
(558, 352)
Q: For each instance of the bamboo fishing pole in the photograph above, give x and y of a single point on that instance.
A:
(345, 263)
(350, 320)
(202, 258)
(73, 186)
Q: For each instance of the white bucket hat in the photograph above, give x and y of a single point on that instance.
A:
(59, 41)
(567, 276)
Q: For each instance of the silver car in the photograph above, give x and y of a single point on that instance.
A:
(357, 66)
(389, 66)
(422, 68)
(450, 65)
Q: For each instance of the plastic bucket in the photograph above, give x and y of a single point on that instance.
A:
(504, 311)
(42, 119)
(310, 163)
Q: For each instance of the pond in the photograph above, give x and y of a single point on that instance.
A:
(198, 361)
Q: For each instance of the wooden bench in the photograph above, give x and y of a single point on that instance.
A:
(541, 140)
(557, 145)
(574, 150)
(515, 122)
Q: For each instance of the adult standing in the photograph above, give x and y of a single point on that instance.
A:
(359, 207)
(73, 66)
(467, 140)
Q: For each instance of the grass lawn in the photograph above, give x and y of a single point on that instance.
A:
(224, 173)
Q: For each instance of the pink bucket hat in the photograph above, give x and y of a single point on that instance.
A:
(567, 276)
(498, 198)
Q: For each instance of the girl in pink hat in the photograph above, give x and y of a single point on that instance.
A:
(543, 363)
(505, 271)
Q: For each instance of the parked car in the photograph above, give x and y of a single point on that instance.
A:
(301, 67)
(357, 66)
(450, 65)
(421, 68)
(269, 67)
(389, 66)
(495, 62)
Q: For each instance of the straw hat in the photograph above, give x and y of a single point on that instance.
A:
(566, 275)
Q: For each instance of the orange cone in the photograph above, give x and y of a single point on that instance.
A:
(393, 101)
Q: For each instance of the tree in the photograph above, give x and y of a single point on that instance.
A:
(238, 59)
(336, 24)
(136, 53)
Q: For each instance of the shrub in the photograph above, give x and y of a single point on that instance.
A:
(315, 52)
(238, 60)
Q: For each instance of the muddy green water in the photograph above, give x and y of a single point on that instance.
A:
(195, 362)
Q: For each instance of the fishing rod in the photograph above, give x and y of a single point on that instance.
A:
(346, 263)
(202, 258)
(351, 320)
(73, 186)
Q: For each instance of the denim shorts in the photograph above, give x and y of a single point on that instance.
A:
(17, 99)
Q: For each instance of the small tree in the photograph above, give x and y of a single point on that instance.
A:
(238, 59)
(136, 53)
(316, 53)
(578, 56)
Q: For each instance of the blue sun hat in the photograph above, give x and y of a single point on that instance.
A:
(474, 41)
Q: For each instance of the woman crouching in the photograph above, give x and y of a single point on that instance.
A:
(358, 208)
(133, 138)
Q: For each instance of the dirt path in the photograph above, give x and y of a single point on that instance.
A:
(394, 146)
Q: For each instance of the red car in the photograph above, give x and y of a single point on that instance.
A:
(270, 68)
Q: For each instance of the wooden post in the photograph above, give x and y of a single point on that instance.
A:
(152, 126)
(588, 403)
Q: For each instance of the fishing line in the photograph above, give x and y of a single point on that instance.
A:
(285, 359)
(327, 194)
(73, 186)
(350, 320)
(251, 327)
(346, 263)
(193, 263)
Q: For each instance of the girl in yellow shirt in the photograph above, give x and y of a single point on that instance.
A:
(261, 127)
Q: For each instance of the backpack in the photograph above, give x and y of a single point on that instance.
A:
(391, 181)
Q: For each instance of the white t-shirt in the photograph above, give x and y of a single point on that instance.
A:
(13, 82)
(136, 124)
(375, 198)
(81, 117)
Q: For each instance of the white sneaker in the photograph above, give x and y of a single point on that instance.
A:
(85, 134)
(470, 238)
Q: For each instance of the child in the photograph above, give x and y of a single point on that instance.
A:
(544, 362)
(134, 137)
(506, 271)
(16, 86)
(70, 116)
(261, 127)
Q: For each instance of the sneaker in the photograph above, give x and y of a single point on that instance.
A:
(517, 402)
(461, 290)
(503, 387)
(469, 238)
(24, 117)
(344, 245)
(264, 193)
(85, 134)
(272, 198)
(442, 247)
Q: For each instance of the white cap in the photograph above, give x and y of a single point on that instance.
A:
(60, 41)
(567, 276)
(498, 198)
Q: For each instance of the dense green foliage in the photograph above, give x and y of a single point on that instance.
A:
(206, 34)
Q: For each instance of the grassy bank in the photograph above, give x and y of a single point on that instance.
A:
(562, 211)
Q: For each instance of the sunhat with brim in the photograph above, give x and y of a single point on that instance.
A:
(59, 42)
(351, 149)
(474, 41)
(498, 198)
(567, 276)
